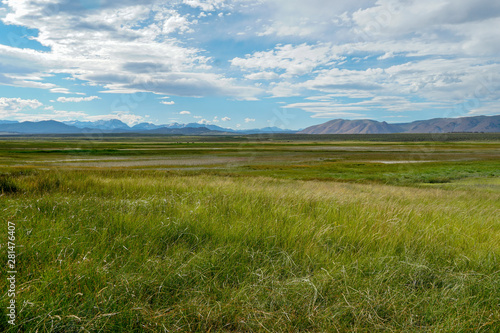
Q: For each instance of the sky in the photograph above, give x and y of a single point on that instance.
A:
(248, 63)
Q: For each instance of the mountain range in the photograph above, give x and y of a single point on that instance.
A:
(437, 125)
(336, 126)
(117, 126)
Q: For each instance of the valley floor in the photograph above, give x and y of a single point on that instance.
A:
(192, 235)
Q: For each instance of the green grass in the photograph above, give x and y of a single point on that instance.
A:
(292, 241)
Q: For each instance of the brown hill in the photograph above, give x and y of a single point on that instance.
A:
(438, 125)
(342, 126)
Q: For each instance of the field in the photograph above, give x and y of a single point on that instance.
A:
(396, 233)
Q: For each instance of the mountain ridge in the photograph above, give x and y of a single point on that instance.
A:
(488, 124)
(117, 126)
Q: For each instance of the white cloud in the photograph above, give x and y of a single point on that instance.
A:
(206, 121)
(226, 119)
(285, 89)
(335, 79)
(180, 84)
(107, 46)
(184, 112)
(171, 21)
(422, 17)
(445, 50)
(484, 110)
(10, 106)
(77, 99)
(262, 76)
(291, 59)
(167, 102)
(29, 110)
(207, 5)
(277, 28)
(317, 19)
(60, 91)
(386, 55)
(126, 117)
(58, 115)
(438, 53)
(249, 120)
(328, 108)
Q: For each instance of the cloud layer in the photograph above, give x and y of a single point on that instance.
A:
(343, 58)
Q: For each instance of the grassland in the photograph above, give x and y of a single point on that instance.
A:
(252, 234)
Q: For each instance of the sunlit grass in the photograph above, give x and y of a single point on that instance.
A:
(139, 251)
(298, 236)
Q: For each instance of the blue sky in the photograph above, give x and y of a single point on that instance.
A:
(248, 64)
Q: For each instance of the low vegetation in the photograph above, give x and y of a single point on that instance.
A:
(287, 237)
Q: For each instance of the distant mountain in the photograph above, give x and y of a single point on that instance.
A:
(145, 127)
(438, 125)
(185, 131)
(447, 125)
(40, 127)
(265, 130)
(341, 126)
(173, 125)
(117, 126)
(210, 127)
(223, 129)
(337, 126)
(111, 124)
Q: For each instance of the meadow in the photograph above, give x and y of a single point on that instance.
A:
(283, 233)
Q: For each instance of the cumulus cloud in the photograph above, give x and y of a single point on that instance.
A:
(184, 112)
(126, 117)
(427, 53)
(285, 89)
(399, 18)
(207, 5)
(107, 45)
(33, 110)
(445, 51)
(226, 119)
(204, 121)
(291, 59)
(58, 115)
(262, 76)
(171, 21)
(77, 99)
(249, 120)
(342, 79)
(301, 19)
(10, 106)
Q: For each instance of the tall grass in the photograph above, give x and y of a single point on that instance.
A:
(138, 251)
